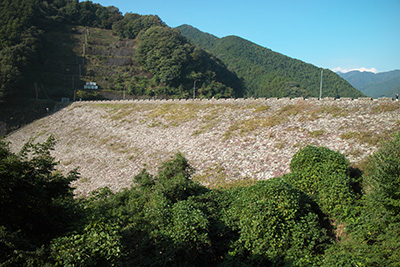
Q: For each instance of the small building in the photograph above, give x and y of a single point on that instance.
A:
(91, 85)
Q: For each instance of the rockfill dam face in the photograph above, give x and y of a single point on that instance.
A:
(225, 140)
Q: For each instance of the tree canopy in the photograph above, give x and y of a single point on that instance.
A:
(41, 54)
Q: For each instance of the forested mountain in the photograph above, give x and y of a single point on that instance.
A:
(267, 73)
(49, 49)
(374, 84)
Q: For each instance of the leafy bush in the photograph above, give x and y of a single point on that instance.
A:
(34, 195)
(324, 175)
(277, 224)
(373, 237)
(98, 244)
(383, 181)
(168, 219)
(36, 202)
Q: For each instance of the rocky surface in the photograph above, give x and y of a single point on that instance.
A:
(224, 140)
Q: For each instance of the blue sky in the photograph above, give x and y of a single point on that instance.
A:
(351, 34)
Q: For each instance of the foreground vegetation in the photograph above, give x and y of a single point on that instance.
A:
(324, 213)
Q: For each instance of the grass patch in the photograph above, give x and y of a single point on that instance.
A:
(175, 114)
(120, 112)
(205, 128)
(83, 180)
(252, 125)
(216, 177)
(316, 133)
(68, 162)
(334, 111)
(291, 110)
(367, 137)
(280, 145)
(355, 153)
(385, 107)
(262, 108)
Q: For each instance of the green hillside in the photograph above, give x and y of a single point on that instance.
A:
(51, 49)
(383, 84)
(267, 73)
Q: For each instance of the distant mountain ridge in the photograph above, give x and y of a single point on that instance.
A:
(383, 84)
(266, 73)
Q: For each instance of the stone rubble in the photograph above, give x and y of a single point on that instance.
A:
(110, 142)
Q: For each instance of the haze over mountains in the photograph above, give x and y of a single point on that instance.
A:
(382, 84)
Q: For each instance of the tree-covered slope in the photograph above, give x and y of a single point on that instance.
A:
(267, 73)
(50, 49)
(375, 84)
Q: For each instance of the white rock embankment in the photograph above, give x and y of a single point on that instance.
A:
(111, 142)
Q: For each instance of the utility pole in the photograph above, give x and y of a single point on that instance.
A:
(320, 87)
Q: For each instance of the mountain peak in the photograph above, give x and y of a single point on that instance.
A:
(267, 73)
(381, 84)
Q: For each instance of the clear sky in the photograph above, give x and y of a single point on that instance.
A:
(345, 34)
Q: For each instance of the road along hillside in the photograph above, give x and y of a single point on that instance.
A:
(224, 140)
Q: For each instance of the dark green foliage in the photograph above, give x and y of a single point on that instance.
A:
(33, 195)
(168, 219)
(325, 176)
(383, 181)
(36, 202)
(269, 74)
(205, 40)
(373, 236)
(175, 62)
(173, 181)
(41, 44)
(19, 45)
(277, 224)
(98, 244)
(132, 24)
(87, 13)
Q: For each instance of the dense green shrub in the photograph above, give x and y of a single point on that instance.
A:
(373, 237)
(98, 244)
(383, 181)
(324, 175)
(277, 225)
(34, 197)
(36, 202)
(169, 220)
